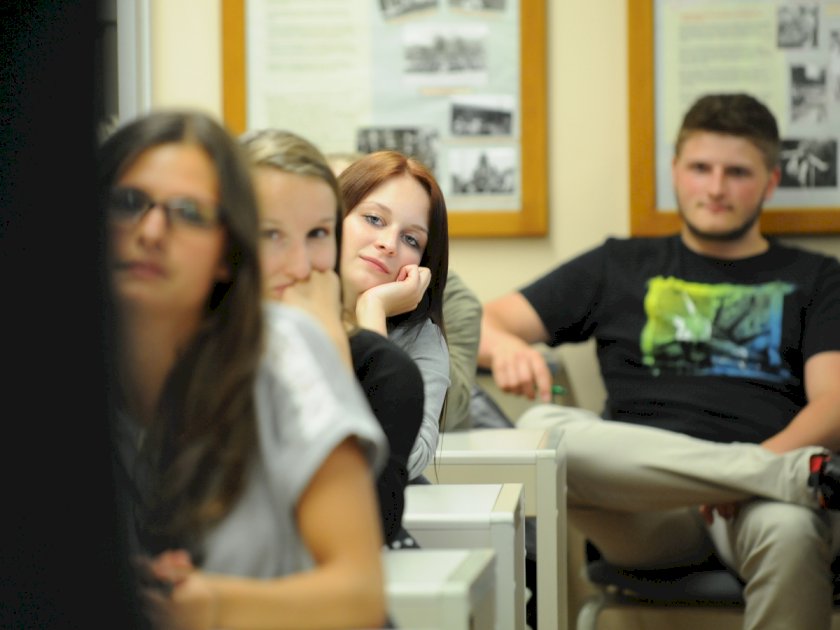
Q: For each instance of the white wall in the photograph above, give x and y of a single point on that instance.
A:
(187, 54)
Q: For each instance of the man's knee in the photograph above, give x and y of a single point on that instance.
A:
(782, 533)
(545, 415)
(784, 558)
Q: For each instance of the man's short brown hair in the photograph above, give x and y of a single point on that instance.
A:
(736, 115)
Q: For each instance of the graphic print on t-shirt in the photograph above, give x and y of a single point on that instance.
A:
(714, 329)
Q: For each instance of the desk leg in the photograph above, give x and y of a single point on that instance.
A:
(552, 571)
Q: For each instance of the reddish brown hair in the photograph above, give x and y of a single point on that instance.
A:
(359, 180)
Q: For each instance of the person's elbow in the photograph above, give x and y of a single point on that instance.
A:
(368, 606)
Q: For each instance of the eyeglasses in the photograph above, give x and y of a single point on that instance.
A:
(131, 204)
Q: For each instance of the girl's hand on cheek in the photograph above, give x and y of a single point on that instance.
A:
(403, 294)
(419, 278)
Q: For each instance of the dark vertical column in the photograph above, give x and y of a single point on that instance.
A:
(61, 554)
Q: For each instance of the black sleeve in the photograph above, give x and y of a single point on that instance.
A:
(822, 330)
(567, 297)
(393, 385)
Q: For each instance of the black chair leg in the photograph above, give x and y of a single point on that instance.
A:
(531, 583)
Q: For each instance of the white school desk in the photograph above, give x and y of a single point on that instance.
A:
(468, 516)
(536, 459)
(441, 589)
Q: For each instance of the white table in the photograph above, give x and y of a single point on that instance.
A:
(468, 516)
(441, 589)
(536, 459)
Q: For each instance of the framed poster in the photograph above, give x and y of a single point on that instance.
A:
(785, 53)
(459, 84)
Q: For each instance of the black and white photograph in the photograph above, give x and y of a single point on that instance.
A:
(483, 171)
(482, 115)
(808, 93)
(808, 163)
(478, 5)
(797, 26)
(834, 66)
(396, 8)
(448, 54)
(416, 142)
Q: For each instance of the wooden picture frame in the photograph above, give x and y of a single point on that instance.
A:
(531, 219)
(646, 219)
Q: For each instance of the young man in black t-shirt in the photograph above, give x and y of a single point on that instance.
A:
(720, 353)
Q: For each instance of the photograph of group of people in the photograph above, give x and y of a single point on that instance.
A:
(809, 37)
(397, 8)
(464, 121)
(786, 51)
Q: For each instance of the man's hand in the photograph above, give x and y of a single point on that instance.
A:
(727, 511)
(509, 329)
(519, 368)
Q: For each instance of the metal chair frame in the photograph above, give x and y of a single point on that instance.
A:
(709, 584)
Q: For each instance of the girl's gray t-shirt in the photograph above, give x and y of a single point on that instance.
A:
(307, 403)
(425, 344)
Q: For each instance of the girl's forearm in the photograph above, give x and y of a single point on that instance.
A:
(322, 598)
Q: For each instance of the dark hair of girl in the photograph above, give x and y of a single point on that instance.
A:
(197, 446)
(359, 179)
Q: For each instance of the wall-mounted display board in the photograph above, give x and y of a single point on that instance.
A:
(785, 53)
(460, 84)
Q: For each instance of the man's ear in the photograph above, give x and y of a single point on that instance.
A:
(773, 182)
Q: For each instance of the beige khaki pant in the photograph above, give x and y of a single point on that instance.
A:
(634, 491)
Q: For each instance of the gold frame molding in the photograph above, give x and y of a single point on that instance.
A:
(532, 218)
(645, 218)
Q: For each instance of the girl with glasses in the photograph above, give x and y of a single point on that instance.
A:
(246, 445)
